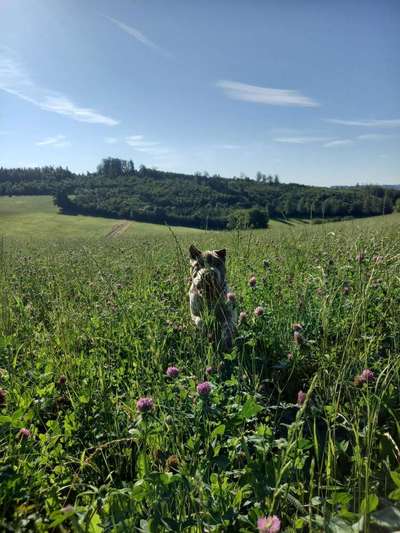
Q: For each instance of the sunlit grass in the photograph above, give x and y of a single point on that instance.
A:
(107, 316)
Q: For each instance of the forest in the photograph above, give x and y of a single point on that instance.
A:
(120, 190)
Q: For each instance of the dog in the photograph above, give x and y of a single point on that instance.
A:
(209, 296)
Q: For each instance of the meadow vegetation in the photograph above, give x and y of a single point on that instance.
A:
(301, 421)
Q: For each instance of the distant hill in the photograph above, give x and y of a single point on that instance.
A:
(396, 187)
(384, 186)
(119, 190)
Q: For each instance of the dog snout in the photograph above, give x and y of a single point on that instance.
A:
(207, 277)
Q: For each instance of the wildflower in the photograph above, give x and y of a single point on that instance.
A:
(3, 395)
(172, 463)
(204, 388)
(209, 370)
(62, 380)
(242, 317)
(253, 281)
(24, 433)
(360, 257)
(259, 311)
(301, 398)
(346, 290)
(231, 297)
(366, 375)
(297, 326)
(298, 338)
(172, 372)
(290, 355)
(269, 524)
(144, 405)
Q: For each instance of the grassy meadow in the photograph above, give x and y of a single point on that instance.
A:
(27, 217)
(93, 313)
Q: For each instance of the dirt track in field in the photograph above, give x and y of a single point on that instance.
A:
(118, 229)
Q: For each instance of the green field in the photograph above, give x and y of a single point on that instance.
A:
(93, 314)
(37, 217)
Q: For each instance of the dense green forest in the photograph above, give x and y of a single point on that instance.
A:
(120, 190)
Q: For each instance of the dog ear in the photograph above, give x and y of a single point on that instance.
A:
(221, 254)
(194, 252)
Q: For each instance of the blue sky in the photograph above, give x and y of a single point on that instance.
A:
(306, 89)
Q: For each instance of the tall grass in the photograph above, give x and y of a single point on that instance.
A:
(88, 327)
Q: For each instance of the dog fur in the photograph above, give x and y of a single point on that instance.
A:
(208, 295)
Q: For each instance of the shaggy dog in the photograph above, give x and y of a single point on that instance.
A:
(210, 299)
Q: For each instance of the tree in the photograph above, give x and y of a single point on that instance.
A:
(260, 177)
(258, 218)
(111, 167)
(248, 218)
(61, 200)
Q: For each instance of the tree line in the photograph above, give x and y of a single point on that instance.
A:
(119, 190)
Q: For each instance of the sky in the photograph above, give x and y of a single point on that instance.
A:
(305, 89)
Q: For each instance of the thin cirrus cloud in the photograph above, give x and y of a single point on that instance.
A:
(373, 136)
(265, 95)
(138, 35)
(16, 81)
(301, 140)
(149, 147)
(338, 142)
(389, 123)
(58, 141)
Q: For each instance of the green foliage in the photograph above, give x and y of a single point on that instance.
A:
(248, 218)
(88, 326)
(118, 190)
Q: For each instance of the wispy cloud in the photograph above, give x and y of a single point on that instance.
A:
(58, 141)
(138, 35)
(373, 136)
(339, 142)
(390, 123)
(149, 147)
(265, 95)
(137, 141)
(301, 140)
(110, 140)
(16, 81)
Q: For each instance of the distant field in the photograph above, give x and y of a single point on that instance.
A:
(37, 217)
(27, 217)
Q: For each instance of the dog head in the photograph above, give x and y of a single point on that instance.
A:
(208, 271)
